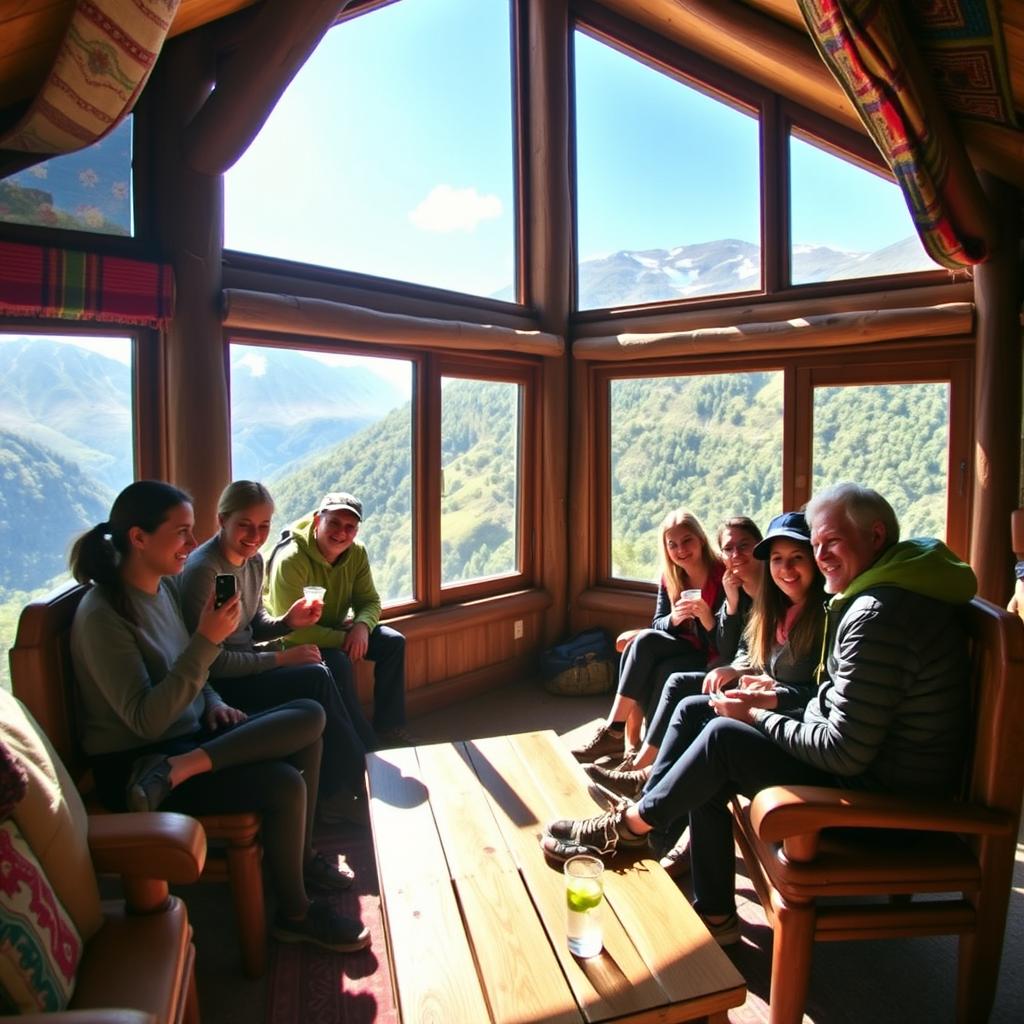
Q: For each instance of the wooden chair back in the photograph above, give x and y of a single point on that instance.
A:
(43, 678)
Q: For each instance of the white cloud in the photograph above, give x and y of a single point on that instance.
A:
(454, 209)
(256, 365)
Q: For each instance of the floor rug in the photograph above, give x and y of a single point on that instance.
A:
(317, 987)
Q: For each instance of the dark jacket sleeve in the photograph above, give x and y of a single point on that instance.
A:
(663, 611)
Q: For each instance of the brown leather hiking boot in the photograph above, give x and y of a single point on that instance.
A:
(602, 743)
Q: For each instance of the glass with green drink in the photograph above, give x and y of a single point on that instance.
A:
(584, 895)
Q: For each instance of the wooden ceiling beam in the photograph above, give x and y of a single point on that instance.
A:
(749, 43)
(252, 78)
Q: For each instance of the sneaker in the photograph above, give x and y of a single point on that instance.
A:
(601, 744)
(628, 783)
(149, 783)
(328, 874)
(603, 835)
(725, 933)
(677, 861)
(323, 926)
(397, 737)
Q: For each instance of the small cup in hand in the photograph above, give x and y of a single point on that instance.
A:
(314, 595)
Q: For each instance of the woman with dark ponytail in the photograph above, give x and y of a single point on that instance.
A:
(159, 736)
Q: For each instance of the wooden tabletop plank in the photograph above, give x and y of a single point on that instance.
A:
(673, 942)
(617, 983)
(402, 819)
(435, 975)
(519, 972)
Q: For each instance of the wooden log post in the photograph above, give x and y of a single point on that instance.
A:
(546, 265)
(997, 399)
(188, 210)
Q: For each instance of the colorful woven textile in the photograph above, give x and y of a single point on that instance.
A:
(104, 60)
(866, 45)
(964, 48)
(38, 281)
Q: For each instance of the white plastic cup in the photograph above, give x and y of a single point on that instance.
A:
(692, 595)
(584, 896)
(314, 595)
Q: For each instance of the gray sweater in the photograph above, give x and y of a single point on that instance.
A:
(238, 657)
(143, 682)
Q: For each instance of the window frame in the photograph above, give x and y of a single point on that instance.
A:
(777, 117)
(902, 362)
(429, 366)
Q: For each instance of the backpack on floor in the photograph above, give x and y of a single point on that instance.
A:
(581, 666)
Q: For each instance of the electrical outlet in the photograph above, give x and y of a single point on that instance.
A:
(517, 630)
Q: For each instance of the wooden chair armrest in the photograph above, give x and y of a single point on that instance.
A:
(170, 847)
(624, 639)
(795, 815)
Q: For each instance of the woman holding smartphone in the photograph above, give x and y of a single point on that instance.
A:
(159, 736)
(254, 680)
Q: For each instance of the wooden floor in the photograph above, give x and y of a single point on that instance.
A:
(896, 981)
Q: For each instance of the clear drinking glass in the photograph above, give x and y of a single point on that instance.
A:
(314, 595)
(584, 894)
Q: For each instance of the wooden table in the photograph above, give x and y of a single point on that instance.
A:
(475, 914)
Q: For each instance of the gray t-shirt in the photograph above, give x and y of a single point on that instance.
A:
(140, 681)
(237, 658)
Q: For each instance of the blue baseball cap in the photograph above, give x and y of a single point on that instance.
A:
(790, 524)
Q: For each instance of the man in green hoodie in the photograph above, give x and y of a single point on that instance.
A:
(320, 550)
(891, 715)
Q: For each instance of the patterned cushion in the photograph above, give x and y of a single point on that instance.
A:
(39, 945)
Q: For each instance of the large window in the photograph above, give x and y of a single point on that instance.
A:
(711, 443)
(868, 234)
(435, 449)
(480, 457)
(90, 190)
(726, 442)
(391, 152)
(66, 449)
(306, 423)
(668, 182)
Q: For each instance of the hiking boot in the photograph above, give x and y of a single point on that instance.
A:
(677, 861)
(628, 783)
(725, 933)
(149, 783)
(603, 835)
(601, 744)
(323, 926)
(328, 874)
(397, 737)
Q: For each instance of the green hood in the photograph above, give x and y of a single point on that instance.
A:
(923, 566)
(302, 534)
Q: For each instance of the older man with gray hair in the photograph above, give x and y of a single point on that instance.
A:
(889, 714)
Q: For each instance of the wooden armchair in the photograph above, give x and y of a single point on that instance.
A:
(43, 679)
(793, 842)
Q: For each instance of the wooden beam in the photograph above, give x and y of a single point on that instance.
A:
(749, 43)
(997, 401)
(259, 311)
(253, 78)
(826, 330)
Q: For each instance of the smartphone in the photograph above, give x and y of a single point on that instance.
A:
(224, 588)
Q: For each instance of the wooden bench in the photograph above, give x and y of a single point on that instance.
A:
(475, 914)
(42, 677)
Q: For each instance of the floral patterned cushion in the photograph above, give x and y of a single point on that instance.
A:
(39, 945)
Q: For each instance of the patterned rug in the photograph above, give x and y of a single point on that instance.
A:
(317, 987)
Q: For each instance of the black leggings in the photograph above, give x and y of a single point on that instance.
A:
(269, 764)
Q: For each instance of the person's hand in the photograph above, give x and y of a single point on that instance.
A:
(679, 613)
(732, 584)
(217, 624)
(720, 678)
(357, 640)
(303, 613)
(698, 609)
(740, 704)
(758, 682)
(220, 715)
(304, 654)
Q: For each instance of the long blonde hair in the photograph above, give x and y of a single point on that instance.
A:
(675, 579)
